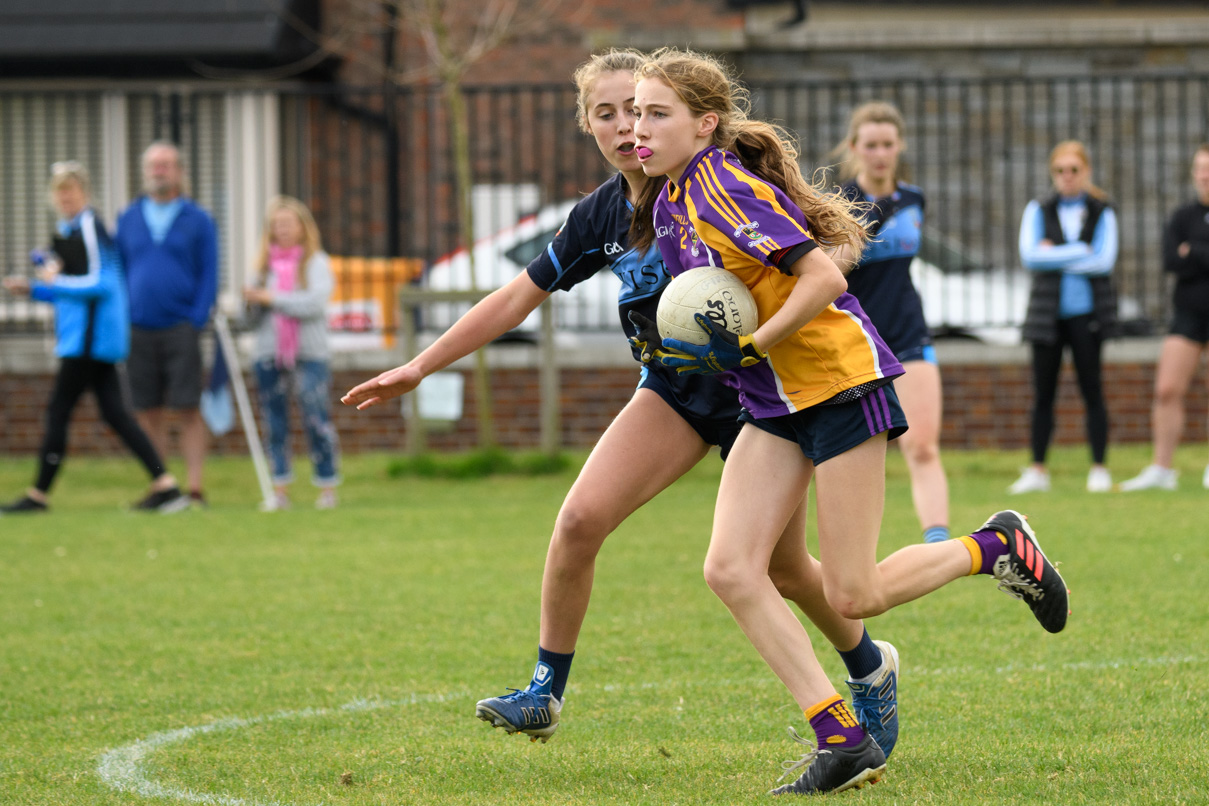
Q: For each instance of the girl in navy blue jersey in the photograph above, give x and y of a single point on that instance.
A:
(881, 281)
(666, 428)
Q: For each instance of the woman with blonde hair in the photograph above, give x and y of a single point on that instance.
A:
(293, 284)
(83, 277)
(814, 380)
(881, 281)
(1068, 241)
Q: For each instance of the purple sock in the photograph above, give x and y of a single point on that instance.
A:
(993, 546)
(834, 724)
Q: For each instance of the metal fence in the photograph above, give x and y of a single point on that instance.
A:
(978, 148)
(375, 166)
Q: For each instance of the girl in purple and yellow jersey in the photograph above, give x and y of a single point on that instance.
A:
(815, 382)
(664, 430)
(721, 215)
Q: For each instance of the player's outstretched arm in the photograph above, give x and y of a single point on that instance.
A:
(493, 316)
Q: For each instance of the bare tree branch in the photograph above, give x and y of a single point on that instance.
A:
(454, 34)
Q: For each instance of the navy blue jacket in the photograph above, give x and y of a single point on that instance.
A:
(174, 281)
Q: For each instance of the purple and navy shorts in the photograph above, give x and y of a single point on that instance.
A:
(827, 430)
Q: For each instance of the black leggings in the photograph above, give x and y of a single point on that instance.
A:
(1083, 336)
(76, 375)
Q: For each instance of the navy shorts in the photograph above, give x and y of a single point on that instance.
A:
(705, 403)
(823, 432)
(1191, 325)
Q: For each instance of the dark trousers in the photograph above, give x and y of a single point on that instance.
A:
(1082, 335)
(76, 376)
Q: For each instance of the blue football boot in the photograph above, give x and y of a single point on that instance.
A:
(876, 703)
(533, 711)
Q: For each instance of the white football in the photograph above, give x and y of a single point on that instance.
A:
(715, 292)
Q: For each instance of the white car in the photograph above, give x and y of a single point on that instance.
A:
(498, 258)
(988, 304)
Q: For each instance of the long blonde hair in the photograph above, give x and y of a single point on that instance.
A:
(767, 150)
(310, 237)
(1079, 152)
(869, 112)
(614, 60)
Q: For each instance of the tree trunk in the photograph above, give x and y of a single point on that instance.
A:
(462, 169)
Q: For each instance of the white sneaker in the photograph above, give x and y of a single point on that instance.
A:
(1205, 478)
(1099, 480)
(1031, 480)
(280, 502)
(1152, 477)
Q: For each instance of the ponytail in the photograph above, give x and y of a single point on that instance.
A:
(769, 152)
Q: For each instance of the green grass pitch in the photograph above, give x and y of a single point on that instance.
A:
(299, 658)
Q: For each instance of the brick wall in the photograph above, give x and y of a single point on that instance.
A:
(986, 406)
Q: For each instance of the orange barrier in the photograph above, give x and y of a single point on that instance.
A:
(363, 311)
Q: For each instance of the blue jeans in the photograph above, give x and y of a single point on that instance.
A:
(311, 383)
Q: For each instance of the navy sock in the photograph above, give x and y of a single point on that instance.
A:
(560, 666)
(863, 659)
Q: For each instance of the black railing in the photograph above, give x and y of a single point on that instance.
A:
(376, 167)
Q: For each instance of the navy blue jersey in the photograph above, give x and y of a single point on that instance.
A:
(594, 238)
(882, 278)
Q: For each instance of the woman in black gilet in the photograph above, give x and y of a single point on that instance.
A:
(1068, 241)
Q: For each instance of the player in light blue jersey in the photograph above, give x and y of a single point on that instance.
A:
(881, 280)
(666, 428)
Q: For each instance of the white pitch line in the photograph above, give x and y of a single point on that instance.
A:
(122, 768)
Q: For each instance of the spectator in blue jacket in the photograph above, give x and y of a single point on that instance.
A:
(82, 277)
(1068, 242)
(170, 248)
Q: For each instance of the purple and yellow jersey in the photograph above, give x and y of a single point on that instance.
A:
(724, 215)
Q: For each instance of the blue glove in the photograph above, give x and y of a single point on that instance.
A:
(725, 351)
